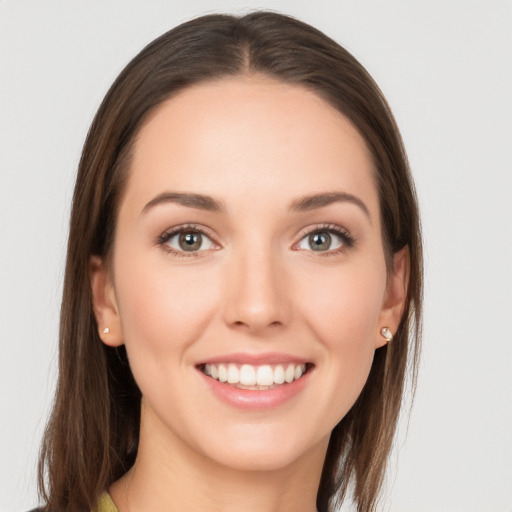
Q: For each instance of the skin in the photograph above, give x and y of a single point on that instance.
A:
(256, 146)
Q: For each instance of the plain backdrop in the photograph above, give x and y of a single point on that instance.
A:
(446, 69)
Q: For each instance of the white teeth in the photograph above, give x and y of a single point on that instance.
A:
(255, 377)
(223, 373)
(247, 375)
(233, 374)
(279, 374)
(265, 376)
(289, 374)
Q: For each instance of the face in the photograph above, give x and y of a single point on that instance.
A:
(248, 279)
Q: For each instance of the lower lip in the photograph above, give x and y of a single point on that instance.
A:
(254, 399)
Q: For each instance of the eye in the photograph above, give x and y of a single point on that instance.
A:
(325, 240)
(186, 240)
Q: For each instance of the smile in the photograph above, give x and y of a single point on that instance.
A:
(261, 377)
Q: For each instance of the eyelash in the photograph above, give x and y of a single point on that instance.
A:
(164, 238)
(347, 240)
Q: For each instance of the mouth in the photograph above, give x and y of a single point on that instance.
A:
(255, 377)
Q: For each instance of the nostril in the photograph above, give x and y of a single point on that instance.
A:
(256, 326)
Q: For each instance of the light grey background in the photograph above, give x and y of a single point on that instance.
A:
(446, 68)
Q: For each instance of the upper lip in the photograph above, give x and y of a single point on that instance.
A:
(255, 359)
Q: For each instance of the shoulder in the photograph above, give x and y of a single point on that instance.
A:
(105, 504)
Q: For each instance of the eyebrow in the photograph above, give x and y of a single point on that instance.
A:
(307, 203)
(197, 201)
(303, 204)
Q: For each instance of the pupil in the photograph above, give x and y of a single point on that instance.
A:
(190, 241)
(320, 241)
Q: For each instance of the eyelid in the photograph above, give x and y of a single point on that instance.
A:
(343, 233)
(348, 240)
(169, 233)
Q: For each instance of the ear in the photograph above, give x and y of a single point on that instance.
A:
(104, 303)
(395, 296)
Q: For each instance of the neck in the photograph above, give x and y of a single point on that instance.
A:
(169, 475)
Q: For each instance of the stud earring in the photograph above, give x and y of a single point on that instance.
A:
(386, 334)
(106, 330)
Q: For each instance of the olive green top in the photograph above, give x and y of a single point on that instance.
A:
(105, 504)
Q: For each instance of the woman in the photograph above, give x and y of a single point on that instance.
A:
(243, 283)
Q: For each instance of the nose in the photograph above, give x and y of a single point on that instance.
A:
(257, 292)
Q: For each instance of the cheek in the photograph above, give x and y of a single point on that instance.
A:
(163, 309)
(345, 305)
(342, 310)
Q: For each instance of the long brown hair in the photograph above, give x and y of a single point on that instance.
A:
(92, 436)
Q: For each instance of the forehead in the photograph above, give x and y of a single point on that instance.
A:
(247, 135)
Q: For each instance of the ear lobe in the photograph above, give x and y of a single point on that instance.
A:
(396, 294)
(104, 303)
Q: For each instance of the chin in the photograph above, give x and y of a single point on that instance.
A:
(264, 451)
